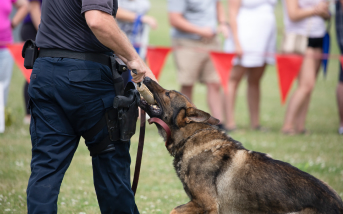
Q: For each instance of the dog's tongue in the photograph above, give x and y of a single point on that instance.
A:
(146, 93)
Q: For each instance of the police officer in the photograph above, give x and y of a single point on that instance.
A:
(71, 88)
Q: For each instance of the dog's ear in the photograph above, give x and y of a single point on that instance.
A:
(180, 118)
(198, 116)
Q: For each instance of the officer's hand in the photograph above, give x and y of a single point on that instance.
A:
(142, 70)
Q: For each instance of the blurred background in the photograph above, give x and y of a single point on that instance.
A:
(319, 152)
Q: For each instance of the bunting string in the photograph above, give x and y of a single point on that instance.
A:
(288, 65)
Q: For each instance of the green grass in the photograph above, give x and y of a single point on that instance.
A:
(159, 190)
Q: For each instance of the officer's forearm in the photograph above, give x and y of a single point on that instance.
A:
(109, 34)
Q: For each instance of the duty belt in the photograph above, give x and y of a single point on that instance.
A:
(89, 56)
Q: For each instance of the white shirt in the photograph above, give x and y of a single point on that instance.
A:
(313, 27)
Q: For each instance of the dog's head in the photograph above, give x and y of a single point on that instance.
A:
(173, 108)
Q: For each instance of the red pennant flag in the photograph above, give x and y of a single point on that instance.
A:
(15, 50)
(288, 69)
(223, 64)
(156, 57)
(341, 60)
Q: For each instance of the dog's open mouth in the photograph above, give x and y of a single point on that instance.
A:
(152, 110)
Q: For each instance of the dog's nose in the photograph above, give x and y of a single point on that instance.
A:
(146, 80)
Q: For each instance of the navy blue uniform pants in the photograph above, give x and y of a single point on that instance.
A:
(67, 98)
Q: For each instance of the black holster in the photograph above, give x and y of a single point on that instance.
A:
(126, 102)
(127, 109)
(121, 119)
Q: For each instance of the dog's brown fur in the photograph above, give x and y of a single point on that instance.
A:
(220, 176)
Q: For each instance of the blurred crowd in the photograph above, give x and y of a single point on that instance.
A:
(249, 30)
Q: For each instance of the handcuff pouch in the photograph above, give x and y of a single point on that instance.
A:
(29, 53)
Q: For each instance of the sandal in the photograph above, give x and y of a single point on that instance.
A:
(289, 132)
(260, 128)
(340, 130)
(304, 132)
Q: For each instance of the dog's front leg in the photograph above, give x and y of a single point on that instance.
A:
(192, 208)
(189, 208)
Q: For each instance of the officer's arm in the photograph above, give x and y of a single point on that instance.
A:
(106, 30)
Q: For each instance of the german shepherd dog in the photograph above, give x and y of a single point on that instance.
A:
(220, 176)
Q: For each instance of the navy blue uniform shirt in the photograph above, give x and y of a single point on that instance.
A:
(64, 26)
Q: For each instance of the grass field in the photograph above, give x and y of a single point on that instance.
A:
(159, 190)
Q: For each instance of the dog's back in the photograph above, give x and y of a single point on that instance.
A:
(256, 183)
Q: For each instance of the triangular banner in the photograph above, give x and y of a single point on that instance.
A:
(288, 69)
(341, 60)
(223, 64)
(156, 57)
(15, 50)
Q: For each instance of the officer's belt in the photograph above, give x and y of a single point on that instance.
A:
(62, 53)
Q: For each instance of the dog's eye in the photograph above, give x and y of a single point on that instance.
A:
(167, 94)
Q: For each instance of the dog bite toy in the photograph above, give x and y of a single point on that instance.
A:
(146, 93)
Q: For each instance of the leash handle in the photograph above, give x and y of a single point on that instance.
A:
(139, 153)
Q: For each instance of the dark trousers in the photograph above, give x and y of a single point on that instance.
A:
(67, 98)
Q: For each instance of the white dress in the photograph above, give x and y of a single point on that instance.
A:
(256, 33)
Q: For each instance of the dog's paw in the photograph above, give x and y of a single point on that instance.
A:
(174, 212)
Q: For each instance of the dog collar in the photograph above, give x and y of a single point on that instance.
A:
(164, 126)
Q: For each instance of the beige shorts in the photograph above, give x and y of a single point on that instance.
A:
(193, 61)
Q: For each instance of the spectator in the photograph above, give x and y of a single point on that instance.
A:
(6, 26)
(253, 27)
(305, 17)
(29, 31)
(339, 30)
(193, 35)
(6, 61)
(129, 12)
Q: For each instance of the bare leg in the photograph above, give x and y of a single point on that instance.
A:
(236, 76)
(187, 90)
(307, 78)
(254, 77)
(340, 102)
(215, 100)
(301, 118)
